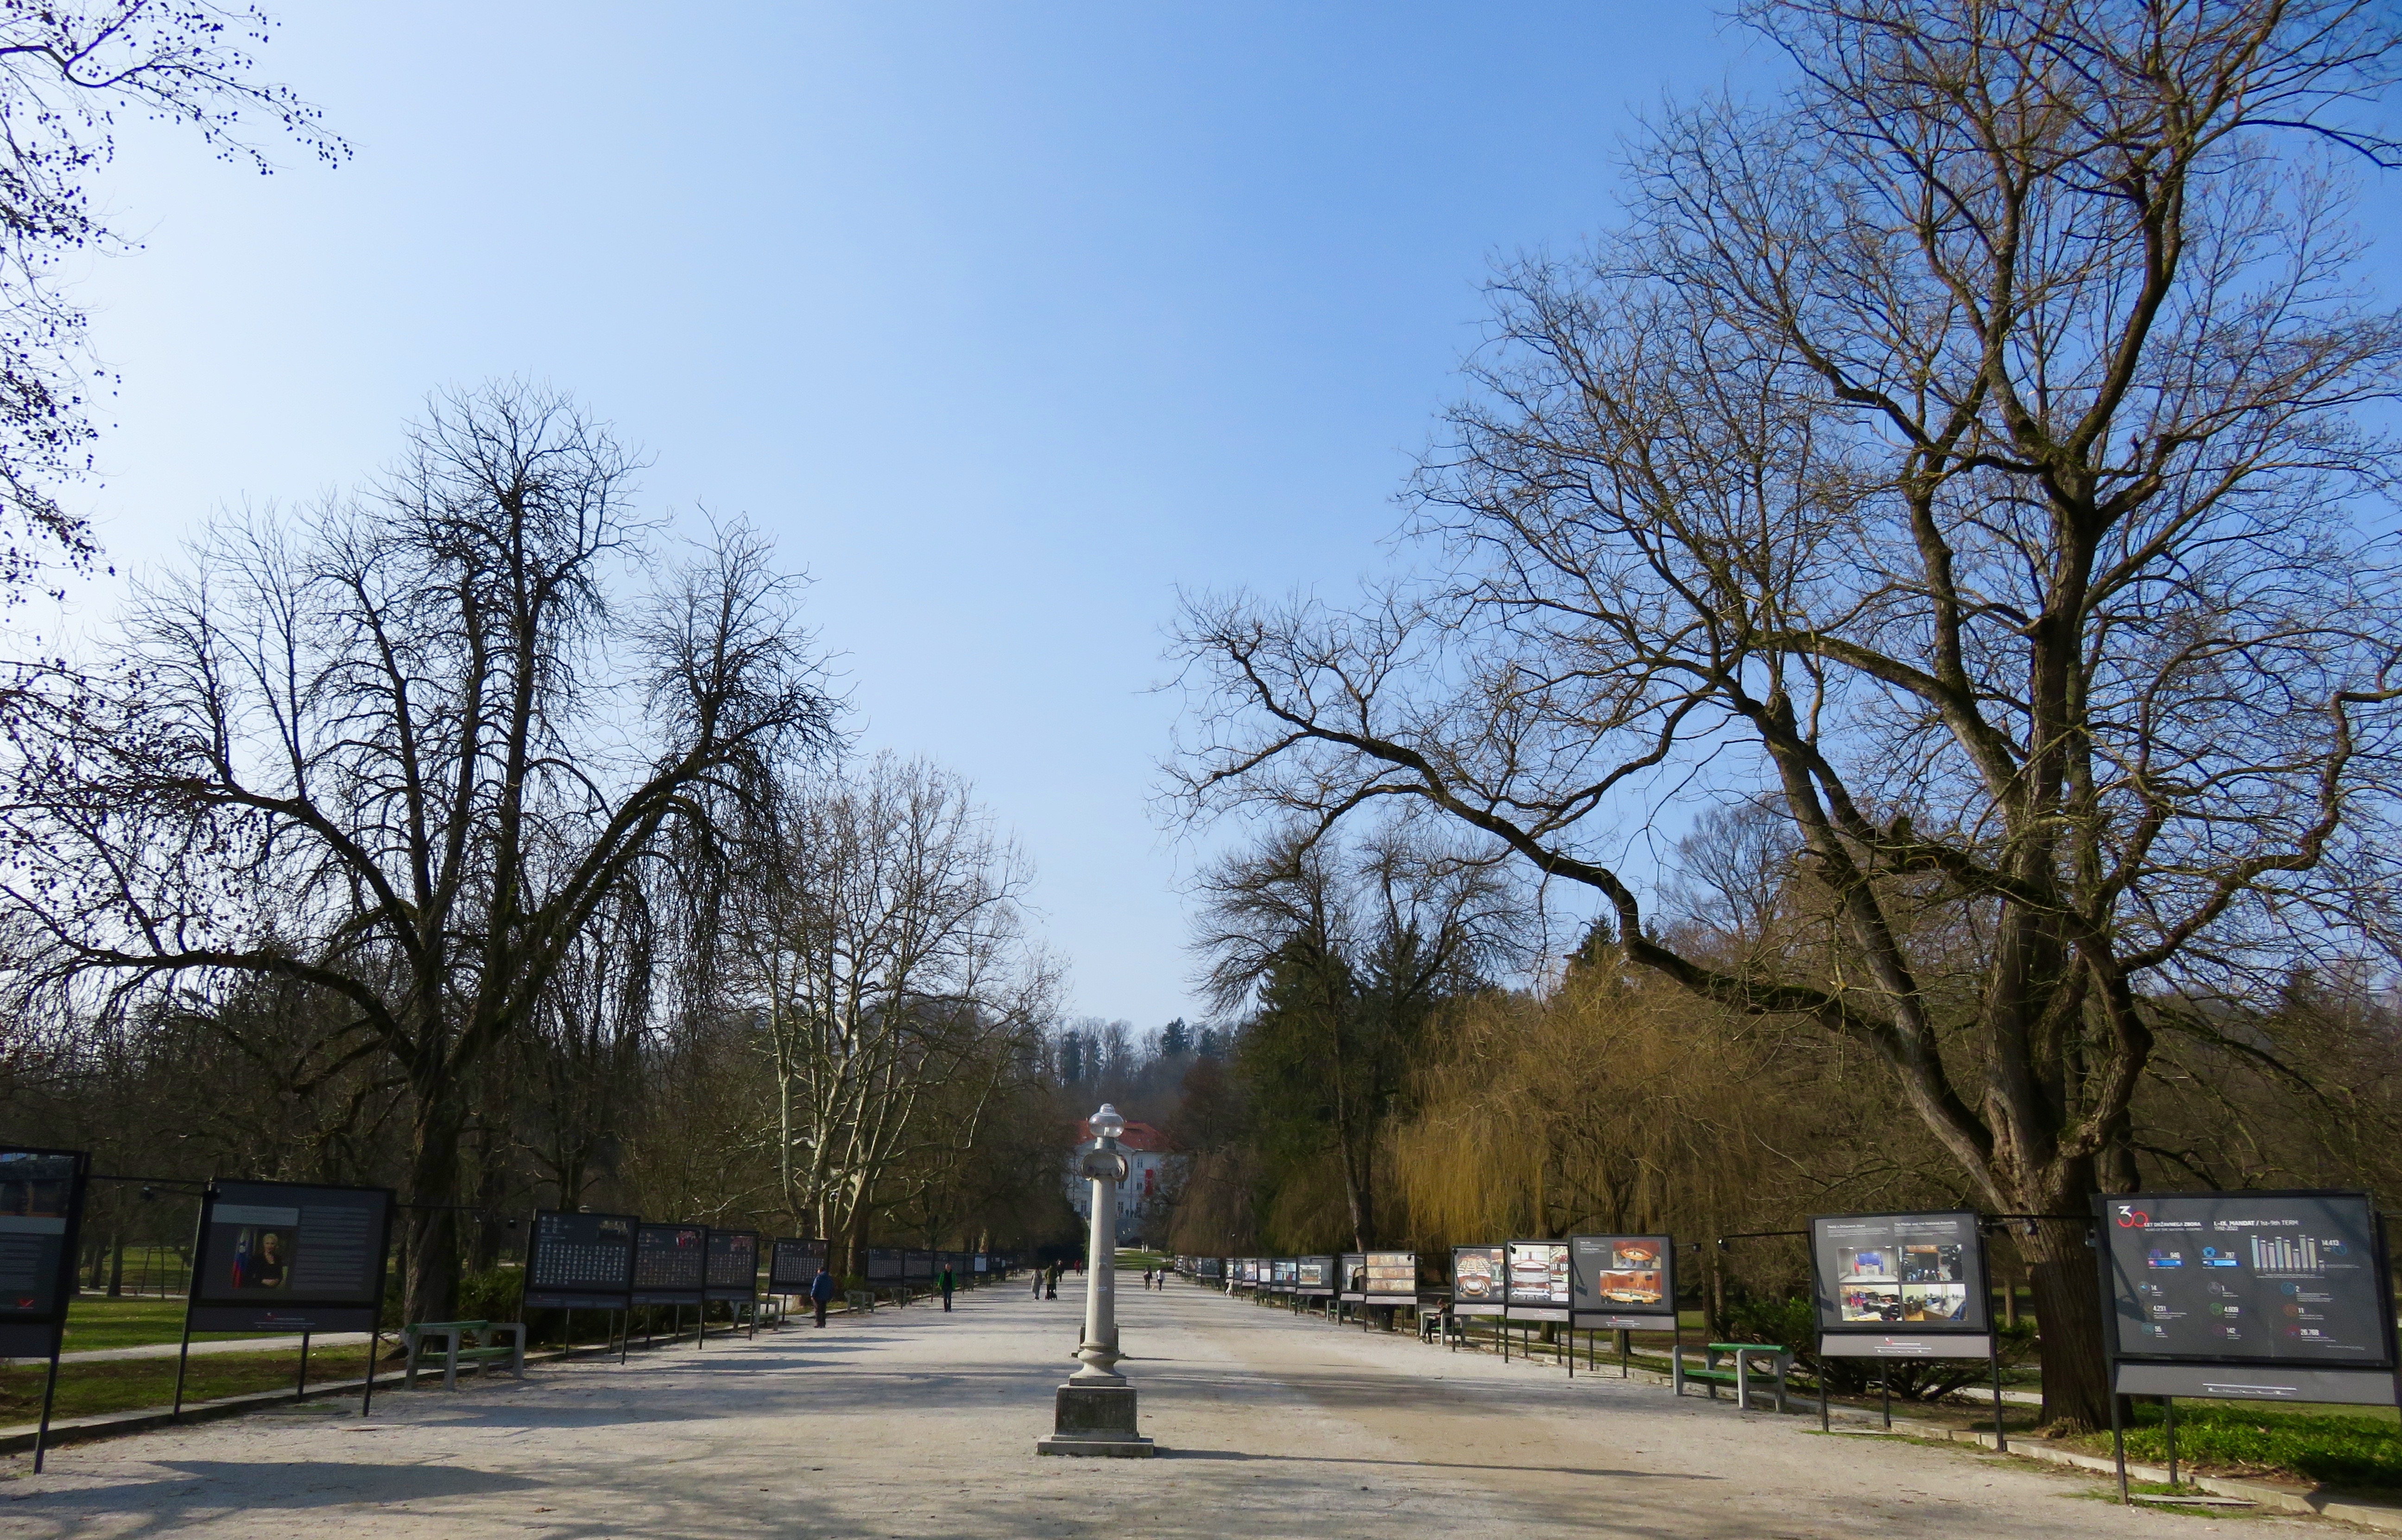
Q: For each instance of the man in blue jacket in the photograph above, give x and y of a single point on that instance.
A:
(821, 1290)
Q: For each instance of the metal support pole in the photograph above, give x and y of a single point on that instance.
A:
(1884, 1384)
(49, 1391)
(375, 1352)
(300, 1387)
(2168, 1408)
(2118, 1443)
(2001, 1435)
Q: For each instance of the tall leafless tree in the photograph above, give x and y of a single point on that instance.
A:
(1969, 451)
(885, 956)
(402, 752)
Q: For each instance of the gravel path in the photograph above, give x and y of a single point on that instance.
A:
(916, 1424)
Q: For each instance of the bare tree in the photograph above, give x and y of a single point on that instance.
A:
(1344, 954)
(403, 753)
(66, 70)
(884, 954)
(1965, 452)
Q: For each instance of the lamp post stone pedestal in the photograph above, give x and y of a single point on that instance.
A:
(1096, 1409)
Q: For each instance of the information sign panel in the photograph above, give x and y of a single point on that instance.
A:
(1480, 1280)
(41, 1215)
(733, 1266)
(1391, 1277)
(670, 1264)
(1901, 1275)
(793, 1265)
(883, 1266)
(1351, 1274)
(1288, 1273)
(1623, 1282)
(1539, 1280)
(579, 1262)
(289, 1256)
(2293, 1279)
(1314, 1275)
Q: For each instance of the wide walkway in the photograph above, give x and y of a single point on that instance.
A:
(916, 1424)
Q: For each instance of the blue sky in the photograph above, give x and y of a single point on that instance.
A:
(1005, 319)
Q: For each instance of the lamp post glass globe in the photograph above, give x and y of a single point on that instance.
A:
(1106, 1123)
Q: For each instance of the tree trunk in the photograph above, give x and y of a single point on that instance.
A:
(116, 1267)
(431, 1290)
(2068, 1327)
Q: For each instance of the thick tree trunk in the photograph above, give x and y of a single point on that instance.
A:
(2065, 1282)
(431, 1286)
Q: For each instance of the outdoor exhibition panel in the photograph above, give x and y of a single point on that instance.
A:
(1623, 1282)
(41, 1220)
(793, 1265)
(733, 1270)
(1900, 1285)
(883, 1266)
(1539, 1281)
(1288, 1275)
(1480, 1280)
(289, 1256)
(918, 1267)
(670, 1264)
(41, 1216)
(2260, 1295)
(1352, 1273)
(580, 1262)
(1391, 1278)
(1315, 1275)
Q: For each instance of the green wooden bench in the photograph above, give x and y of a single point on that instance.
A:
(1771, 1359)
(456, 1350)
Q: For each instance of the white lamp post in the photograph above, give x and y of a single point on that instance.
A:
(1096, 1410)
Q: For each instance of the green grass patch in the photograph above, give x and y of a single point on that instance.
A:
(2227, 1439)
(133, 1384)
(95, 1321)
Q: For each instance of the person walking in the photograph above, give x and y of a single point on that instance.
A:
(947, 1282)
(1038, 1283)
(1051, 1288)
(822, 1291)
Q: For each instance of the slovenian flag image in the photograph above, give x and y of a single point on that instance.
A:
(241, 1259)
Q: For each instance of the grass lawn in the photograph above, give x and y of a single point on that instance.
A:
(2346, 1447)
(94, 1321)
(135, 1384)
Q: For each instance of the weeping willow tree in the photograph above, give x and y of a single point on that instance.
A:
(1613, 1104)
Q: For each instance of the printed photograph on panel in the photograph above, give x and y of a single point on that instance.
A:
(262, 1257)
(1865, 1264)
(1935, 1304)
(1869, 1301)
(1931, 1264)
(1475, 1276)
(1626, 1287)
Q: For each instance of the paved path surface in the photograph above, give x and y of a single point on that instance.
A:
(916, 1424)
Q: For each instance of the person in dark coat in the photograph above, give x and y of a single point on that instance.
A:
(822, 1291)
(947, 1282)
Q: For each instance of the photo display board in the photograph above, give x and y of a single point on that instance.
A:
(793, 1265)
(919, 1267)
(1539, 1280)
(883, 1266)
(1625, 1282)
(733, 1270)
(1314, 1275)
(1288, 1272)
(2294, 1279)
(580, 1262)
(670, 1264)
(1352, 1273)
(1480, 1280)
(1392, 1276)
(41, 1216)
(288, 1257)
(1894, 1281)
